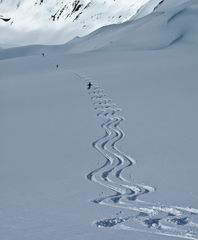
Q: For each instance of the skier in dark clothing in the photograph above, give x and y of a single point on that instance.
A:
(89, 85)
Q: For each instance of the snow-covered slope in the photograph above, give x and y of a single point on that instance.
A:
(51, 127)
(168, 26)
(57, 21)
(163, 28)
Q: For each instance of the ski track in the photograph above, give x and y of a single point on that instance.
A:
(141, 216)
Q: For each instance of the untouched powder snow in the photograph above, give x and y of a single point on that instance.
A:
(142, 182)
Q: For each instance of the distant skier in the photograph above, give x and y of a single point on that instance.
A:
(89, 85)
(57, 66)
(43, 54)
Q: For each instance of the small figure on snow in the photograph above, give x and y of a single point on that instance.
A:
(57, 66)
(43, 54)
(89, 85)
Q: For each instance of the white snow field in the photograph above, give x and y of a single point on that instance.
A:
(57, 21)
(116, 161)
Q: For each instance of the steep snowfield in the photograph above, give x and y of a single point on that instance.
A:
(167, 25)
(49, 120)
(162, 29)
(57, 21)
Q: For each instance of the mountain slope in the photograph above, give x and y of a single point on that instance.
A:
(169, 25)
(57, 21)
(50, 129)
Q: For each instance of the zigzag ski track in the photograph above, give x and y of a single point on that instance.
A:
(142, 216)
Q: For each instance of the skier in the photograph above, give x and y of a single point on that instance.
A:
(89, 85)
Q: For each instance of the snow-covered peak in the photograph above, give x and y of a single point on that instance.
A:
(57, 21)
(44, 12)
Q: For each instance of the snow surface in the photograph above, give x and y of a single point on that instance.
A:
(48, 123)
(57, 21)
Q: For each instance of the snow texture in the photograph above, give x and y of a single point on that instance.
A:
(117, 160)
(57, 21)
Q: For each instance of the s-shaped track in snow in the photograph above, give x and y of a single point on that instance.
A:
(143, 216)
